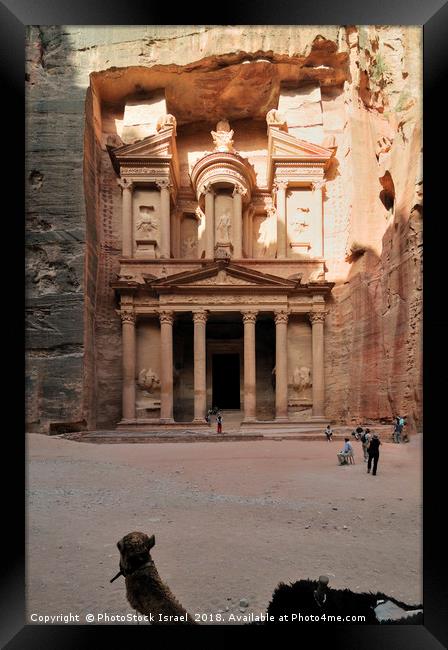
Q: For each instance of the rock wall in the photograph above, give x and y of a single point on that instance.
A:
(370, 108)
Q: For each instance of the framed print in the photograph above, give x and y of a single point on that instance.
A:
(225, 307)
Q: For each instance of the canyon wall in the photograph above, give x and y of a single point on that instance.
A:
(366, 103)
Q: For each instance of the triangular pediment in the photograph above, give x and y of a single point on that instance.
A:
(155, 150)
(154, 146)
(283, 145)
(221, 275)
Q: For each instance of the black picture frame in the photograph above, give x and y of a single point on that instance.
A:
(433, 16)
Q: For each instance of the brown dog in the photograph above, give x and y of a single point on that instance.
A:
(145, 590)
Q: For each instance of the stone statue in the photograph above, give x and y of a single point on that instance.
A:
(301, 378)
(275, 118)
(316, 276)
(189, 246)
(148, 380)
(222, 137)
(167, 121)
(224, 226)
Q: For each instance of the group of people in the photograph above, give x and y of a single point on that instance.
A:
(370, 447)
(216, 412)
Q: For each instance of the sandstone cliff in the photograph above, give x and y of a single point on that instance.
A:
(370, 106)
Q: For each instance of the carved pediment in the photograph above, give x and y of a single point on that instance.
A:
(221, 275)
(284, 145)
(307, 158)
(158, 149)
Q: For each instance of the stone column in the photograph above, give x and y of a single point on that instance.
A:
(237, 194)
(281, 365)
(179, 218)
(317, 190)
(165, 225)
(166, 366)
(317, 322)
(200, 385)
(127, 234)
(128, 361)
(250, 381)
(281, 187)
(209, 222)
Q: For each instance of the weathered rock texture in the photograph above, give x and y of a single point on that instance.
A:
(367, 102)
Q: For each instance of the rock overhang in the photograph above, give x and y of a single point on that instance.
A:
(238, 85)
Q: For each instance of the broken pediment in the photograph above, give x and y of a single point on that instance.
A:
(283, 145)
(306, 159)
(156, 150)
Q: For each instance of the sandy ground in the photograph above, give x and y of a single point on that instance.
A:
(231, 521)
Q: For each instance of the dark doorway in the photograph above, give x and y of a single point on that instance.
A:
(226, 381)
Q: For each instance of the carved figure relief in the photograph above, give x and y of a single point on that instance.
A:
(267, 233)
(301, 379)
(224, 226)
(222, 137)
(167, 121)
(299, 226)
(147, 225)
(148, 380)
(189, 247)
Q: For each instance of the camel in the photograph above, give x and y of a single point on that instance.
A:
(149, 596)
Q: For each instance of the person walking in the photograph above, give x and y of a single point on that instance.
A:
(329, 433)
(219, 423)
(365, 439)
(398, 429)
(374, 454)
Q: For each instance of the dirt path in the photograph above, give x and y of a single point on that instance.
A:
(231, 520)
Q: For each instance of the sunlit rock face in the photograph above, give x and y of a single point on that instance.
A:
(355, 91)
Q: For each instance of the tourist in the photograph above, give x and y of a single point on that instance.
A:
(329, 433)
(405, 437)
(208, 416)
(399, 424)
(374, 454)
(346, 451)
(365, 440)
(357, 433)
(219, 423)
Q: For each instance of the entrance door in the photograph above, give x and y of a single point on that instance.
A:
(226, 381)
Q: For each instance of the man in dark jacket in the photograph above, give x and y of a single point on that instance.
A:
(374, 454)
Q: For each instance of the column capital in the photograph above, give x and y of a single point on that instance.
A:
(239, 189)
(249, 316)
(125, 184)
(127, 316)
(166, 316)
(317, 185)
(280, 184)
(317, 316)
(200, 316)
(164, 184)
(281, 316)
(207, 188)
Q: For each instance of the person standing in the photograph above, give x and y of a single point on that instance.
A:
(219, 423)
(329, 433)
(365, 439)
(374, 454)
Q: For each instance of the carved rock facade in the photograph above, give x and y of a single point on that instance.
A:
(287, 203)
